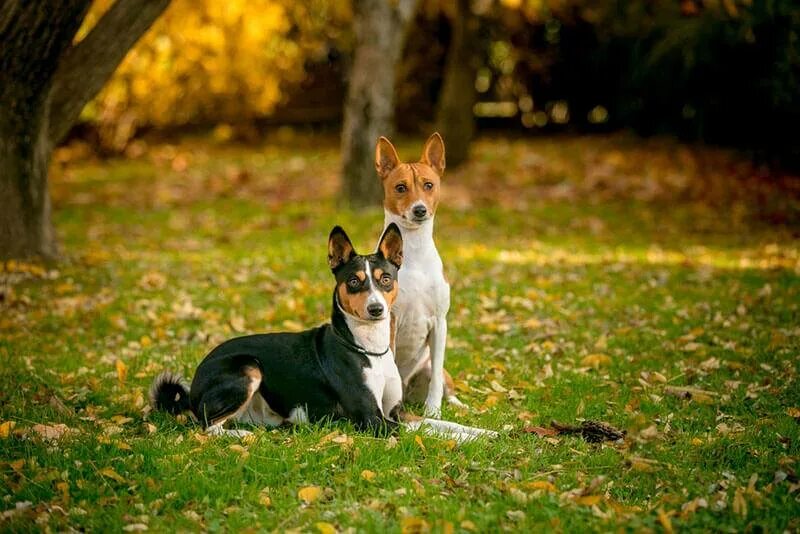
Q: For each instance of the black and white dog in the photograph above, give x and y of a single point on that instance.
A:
(345, 369)
(342, 369)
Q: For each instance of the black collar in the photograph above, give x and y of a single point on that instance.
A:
(354, 346)
(347, 343)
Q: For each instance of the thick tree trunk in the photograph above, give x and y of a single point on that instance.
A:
(454, 116)
(379, 26)
(44, 84)
(34, 37)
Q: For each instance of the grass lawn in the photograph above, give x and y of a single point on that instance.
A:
(591, 279)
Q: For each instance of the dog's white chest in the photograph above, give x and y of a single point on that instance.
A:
(381, 369)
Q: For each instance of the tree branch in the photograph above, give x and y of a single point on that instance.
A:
(88, 65)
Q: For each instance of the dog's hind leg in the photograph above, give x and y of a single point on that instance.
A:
(227, 399)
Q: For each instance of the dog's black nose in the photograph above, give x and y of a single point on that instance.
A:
(419, 211)
(375, 309)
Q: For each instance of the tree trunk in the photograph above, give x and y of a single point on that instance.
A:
(45, 82)
(34, 36)
(369, 107)
(454, 117)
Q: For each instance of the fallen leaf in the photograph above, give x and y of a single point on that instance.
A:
(665, 521)
(418, 441)
(413, 525)
(243, 452)
(110, 473)
(135, 527)
(541, 485)
(325, 528)
(367, 475)
(6, 427)
(596, 361)
(309, 494)
(540, 431)
(122, 370)
(793, 412)
(51, 431)
(589, 500)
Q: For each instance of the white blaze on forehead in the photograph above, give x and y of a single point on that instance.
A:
(375, 295)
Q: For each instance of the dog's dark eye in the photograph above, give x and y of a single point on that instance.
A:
(386, 280)
(354, 282)
(428, 186)
(401, 188)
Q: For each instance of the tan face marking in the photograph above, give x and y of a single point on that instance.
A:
(353, 303)
(417, 182)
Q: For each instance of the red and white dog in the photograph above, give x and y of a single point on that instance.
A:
(411, 196)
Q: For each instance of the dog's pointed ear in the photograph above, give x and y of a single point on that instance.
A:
(340, 249)
(386, 159)
(433, 153)
(391, 245)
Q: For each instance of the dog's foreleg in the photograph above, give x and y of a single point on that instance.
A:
(438, 340)
(217, 430)
(449, 430)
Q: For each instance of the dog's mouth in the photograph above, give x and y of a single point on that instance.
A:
(413, 220)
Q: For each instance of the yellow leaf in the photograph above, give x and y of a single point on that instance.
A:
(63, 487)
(665, 521)
(265, 500)
(239, 449)
(793, 412)
(367, 475)
(413, 525)
(145, 341)
(309, 494)
(739, 503)
(418, 441)
(589, 500)
(6, 427)
(122, 370)
(541, 485)
(325, 528)
(697, 442)
(110, 473)
(595, 360)
(468, 525)
(17, 465)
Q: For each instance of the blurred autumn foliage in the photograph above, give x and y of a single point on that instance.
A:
(214, 62)
(713, 70)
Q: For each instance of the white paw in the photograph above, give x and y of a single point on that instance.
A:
(432, 410)
(452, 399)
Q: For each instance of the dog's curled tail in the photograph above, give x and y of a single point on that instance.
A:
(170, 393)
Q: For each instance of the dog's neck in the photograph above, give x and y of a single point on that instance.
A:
(417, 239)
(372, 336)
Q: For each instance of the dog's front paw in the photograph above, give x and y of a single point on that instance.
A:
(433, 410)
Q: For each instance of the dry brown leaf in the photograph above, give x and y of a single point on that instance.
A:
(51, 431)
(540, 431)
